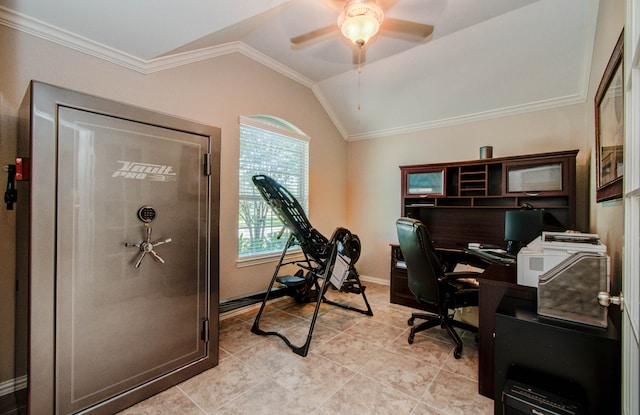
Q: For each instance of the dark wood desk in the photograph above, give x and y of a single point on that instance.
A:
(497, 280)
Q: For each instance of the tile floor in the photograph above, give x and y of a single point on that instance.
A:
(356, 365)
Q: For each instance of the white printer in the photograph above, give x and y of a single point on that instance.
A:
(569, 270)
(549, 250)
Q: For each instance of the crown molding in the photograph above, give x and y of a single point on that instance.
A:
(479, 116)
(185, 58)
(317, 91)
(65, 38)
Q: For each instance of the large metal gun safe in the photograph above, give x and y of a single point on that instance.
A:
(117, 234)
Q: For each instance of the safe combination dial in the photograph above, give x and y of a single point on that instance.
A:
(147, 214)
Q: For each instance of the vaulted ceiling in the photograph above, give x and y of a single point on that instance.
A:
(485, 58)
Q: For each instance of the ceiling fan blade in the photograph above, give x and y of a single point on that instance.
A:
(416, 32)
(314, 35)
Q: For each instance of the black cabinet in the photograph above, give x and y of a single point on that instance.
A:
(577, 362)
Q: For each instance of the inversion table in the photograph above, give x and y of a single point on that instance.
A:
(326, 261)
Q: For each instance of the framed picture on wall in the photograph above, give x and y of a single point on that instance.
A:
(609, 116)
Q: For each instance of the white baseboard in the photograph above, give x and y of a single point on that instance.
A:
(376, 280)
(13, 385)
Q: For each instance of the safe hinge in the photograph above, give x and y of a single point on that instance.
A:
(205, 330)
(605, 299)
(207, 164)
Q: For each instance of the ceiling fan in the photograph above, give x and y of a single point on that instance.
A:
(360, 20)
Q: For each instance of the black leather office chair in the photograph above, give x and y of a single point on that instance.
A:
(440, 291)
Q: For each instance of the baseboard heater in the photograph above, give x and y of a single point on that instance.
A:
(250, 299)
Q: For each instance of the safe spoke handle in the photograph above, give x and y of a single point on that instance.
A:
(147, 246)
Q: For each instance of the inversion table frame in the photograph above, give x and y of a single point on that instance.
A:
(320, 255)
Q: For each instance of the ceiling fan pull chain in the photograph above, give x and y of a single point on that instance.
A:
(359, 72)
(358, 91)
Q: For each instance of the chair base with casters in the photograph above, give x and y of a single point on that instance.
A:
(445, 322)
(312, 280)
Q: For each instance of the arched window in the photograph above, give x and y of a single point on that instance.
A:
(276, 148)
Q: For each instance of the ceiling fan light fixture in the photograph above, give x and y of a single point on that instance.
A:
(360, 20)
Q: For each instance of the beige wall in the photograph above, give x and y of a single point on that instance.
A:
(213, 92)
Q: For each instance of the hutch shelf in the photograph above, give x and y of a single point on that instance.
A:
(463, 202)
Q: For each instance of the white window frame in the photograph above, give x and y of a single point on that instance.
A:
(248, 192)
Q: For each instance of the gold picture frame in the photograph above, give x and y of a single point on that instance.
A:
(609, 117)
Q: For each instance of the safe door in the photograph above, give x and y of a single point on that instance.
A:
(117, 233)
(132, 287)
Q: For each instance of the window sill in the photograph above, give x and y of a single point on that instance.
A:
(294, 254)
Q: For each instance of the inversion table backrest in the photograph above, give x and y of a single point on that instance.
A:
(289, 211)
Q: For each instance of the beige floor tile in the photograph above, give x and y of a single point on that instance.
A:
(363, 395)
(408, 376)
(340, 318)
(222, 384)
(467, 364)
(223, 354)
(238, 338)
(320, 335)
(349, 351)
(424, 348)
(269, 356)
(314, 378)
(456, 395)
(267, 398)
(229, 322)
(356, 364)
(376, 333)
(169, 402)
(278, 320)
(424, 409)
(391, 315)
